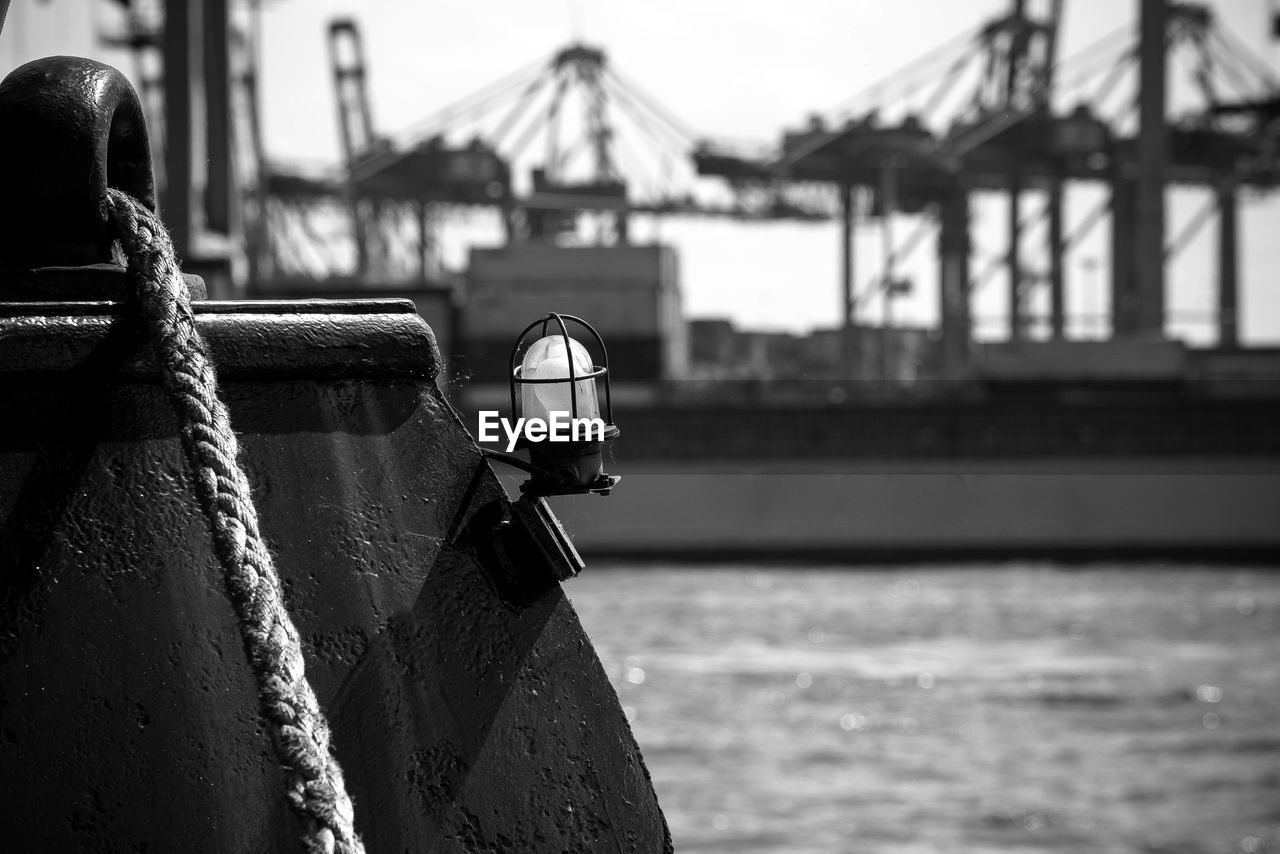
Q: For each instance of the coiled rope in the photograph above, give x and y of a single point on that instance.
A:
(298, 730)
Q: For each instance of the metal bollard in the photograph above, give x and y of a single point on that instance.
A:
(468, 708)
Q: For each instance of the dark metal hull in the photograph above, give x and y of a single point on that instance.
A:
(468, 708)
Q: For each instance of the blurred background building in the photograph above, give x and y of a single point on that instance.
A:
(565, 171)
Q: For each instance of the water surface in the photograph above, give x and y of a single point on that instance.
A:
(1010, 708)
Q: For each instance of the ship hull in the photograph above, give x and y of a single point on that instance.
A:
(937, 509)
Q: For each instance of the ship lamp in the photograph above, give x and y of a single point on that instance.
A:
(556, 389)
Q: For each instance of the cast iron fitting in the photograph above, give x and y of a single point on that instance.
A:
(69, 129)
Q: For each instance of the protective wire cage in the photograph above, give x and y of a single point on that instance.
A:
(597, 371)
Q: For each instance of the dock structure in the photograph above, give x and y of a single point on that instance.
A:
(995, 111)
(1008, 135)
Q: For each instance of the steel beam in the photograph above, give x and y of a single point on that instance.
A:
(1017, 321)
(1123, 228)
(888, 207)
(1228, 253)
(847, 345)
(182, 49)
(1152, 158)
(218, 209)
(953, 285)
(1057, 274)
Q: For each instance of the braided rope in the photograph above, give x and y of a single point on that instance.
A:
(299, 732)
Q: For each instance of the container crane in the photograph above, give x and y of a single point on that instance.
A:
(984, 117)
(595, 144)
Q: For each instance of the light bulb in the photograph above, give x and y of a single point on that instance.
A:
(546, 359)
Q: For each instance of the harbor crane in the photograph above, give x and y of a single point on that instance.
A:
(569, 140)
(985, 114)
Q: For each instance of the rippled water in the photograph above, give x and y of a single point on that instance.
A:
(934, 709)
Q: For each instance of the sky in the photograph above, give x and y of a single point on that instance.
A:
(741, 71)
